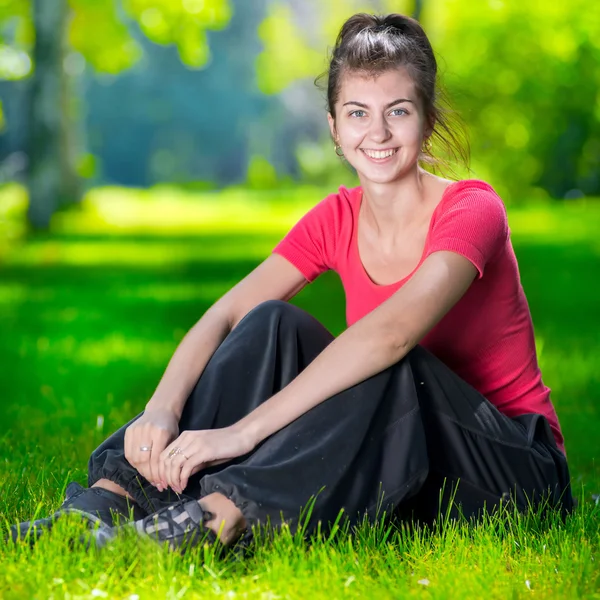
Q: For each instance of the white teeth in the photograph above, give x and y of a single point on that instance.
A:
(379, 153)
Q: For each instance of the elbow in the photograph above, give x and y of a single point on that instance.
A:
(395, 342)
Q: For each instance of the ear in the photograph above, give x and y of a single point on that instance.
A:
(331, 122)
(429, 127)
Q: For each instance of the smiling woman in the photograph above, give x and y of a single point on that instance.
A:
(432, 394)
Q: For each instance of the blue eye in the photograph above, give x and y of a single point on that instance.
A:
(354, 113)
(402, 111)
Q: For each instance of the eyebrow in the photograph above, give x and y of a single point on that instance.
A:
(399, 101)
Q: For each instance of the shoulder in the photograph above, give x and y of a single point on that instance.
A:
(335, 209)
(471, 200)
(342, 201)
(471, 192)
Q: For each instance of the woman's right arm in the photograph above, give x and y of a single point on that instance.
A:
(273, 279)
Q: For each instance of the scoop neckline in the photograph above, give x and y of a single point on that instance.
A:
(354, 241)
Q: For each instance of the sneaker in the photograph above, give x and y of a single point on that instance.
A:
(108, 506)
(99, 507)
(181, 525)
(30, 531)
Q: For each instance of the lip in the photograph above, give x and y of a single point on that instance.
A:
(379, 160)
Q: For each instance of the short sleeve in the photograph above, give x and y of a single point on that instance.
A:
(310, 244)
(473, 223)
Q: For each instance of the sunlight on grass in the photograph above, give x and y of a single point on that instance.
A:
(171, 210)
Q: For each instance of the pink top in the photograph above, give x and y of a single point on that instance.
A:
(487, 337)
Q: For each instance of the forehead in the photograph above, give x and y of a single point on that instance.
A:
(380, 87)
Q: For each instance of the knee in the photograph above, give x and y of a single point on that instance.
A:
(267, 311)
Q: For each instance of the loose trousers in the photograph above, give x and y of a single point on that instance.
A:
(389, 443)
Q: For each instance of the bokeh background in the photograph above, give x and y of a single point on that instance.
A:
(152, 152)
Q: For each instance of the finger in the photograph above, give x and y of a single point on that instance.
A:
(155, 460)
(185, 455)
(142, 439)
(165, 460)
(162, 476)
(129, 445)
(190, 467)
(176, 463)
(173, 468)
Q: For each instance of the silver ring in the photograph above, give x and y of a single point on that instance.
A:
(145, 448)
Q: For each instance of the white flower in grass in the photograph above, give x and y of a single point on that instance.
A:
(528, 584)
(423, 581)
(99, 421)
(134, 597)
(99, 593)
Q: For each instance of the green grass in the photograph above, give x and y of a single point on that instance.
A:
(91, 313)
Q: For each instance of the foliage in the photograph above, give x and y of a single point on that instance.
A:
(291, 52)
(525, 75)
(98, 29)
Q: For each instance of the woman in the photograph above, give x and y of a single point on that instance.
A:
(435, 382)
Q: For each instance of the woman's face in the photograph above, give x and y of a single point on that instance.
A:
(379, 124)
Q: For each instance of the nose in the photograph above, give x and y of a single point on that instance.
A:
(380, 131)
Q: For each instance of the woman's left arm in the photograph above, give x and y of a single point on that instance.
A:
(369, 346)
(372, 344)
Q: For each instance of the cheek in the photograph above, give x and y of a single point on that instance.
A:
(409, 132)
(352, 133)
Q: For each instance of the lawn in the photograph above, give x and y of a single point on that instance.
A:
(91, 313)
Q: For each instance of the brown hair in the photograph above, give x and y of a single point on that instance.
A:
(373, 44)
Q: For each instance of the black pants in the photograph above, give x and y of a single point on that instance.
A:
(393, 440)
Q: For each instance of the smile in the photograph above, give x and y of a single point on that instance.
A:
(379, 154)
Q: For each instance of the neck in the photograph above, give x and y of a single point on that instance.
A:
(386, 206)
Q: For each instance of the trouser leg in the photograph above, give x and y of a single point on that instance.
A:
(267, 349)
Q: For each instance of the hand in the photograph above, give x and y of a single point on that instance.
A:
(154, 429)
(198, 450)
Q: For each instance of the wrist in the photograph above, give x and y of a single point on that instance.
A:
(155, 404)
(249, 431)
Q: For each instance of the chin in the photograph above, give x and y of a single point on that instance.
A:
(380, 178)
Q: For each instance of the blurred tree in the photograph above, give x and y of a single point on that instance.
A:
(65, 34)
(51, 175)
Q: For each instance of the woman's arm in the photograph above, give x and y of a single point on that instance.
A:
(369, 346)
(274, 279)
(372, 344)
(377, 341)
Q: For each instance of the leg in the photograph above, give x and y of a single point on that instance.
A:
(481, 453)
(393, 437)
(267, 349)
(371, 447)
(107, 484)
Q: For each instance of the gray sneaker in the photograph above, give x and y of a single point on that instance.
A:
(30, 531)
(99, 507)
(181, 525)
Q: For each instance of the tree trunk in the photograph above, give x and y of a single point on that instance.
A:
(51, 177)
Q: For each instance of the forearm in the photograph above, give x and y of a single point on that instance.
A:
(360, 352)
(189, 360)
